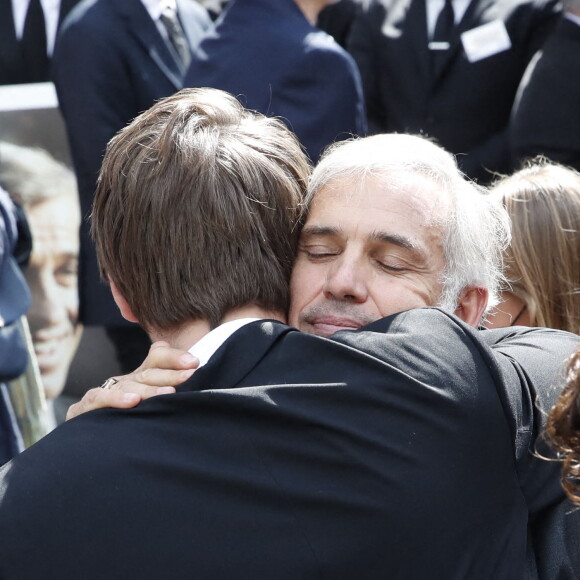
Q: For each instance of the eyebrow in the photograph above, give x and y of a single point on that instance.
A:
(320, 231)
(376, 236)
(394, 239)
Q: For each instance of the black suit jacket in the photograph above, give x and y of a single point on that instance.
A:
(110, 64)
(337, 18)
(384, 453)
(546, 117)
(267, 54)
(13, 69)
(466, 107)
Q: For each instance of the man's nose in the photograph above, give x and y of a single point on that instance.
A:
(346, 281)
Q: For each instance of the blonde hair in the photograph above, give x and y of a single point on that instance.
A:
(543, 260)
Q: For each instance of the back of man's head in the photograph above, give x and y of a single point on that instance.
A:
(195, 210)
(476, 229)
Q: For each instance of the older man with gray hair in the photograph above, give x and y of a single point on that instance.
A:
(392, 225)
(545, 119)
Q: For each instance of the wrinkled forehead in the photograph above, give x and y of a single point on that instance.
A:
(430, 199)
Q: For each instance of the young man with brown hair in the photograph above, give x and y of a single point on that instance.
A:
(386, 452)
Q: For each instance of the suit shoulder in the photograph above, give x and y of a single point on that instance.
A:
(321, 50)
(87, 17)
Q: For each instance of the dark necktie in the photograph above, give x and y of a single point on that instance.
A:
(34, 43)
(176, 35)
(442, 35)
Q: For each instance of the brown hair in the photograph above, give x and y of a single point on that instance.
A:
(563, 429)
(543, 260)
(196, 208)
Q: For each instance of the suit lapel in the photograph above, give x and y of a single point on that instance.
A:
(405, 25)
(65, 7)
(238, 356)
(473, 16)
(417, 32)
(143, 29)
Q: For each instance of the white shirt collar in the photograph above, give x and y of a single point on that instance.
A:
(573, 17)
(434, 7)
(204, 348)
(154, 7)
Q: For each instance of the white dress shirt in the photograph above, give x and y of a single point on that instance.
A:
(572, 17)
(434, 7)
(51, 10)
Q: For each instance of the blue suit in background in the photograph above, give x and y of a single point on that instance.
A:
(267, 54)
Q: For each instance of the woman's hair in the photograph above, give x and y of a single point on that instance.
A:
(543, 261)
(563, 429)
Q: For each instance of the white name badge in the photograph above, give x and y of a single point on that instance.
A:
(485, 40)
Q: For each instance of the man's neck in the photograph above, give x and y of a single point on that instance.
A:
(192, 332)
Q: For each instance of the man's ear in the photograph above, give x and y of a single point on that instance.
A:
(124, 307)
(471, 305)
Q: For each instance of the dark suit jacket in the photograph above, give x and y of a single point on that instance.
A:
(337, 18)
(466, 107)
(267, 54)
(110, 64)
(12, 66)
(384, 453)
(546, 117)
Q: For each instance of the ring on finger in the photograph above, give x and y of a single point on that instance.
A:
(108, 384)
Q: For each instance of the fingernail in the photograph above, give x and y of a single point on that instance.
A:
(188, 359)
(165, 390)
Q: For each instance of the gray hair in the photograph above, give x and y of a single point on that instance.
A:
(477, 228)
(32, 175)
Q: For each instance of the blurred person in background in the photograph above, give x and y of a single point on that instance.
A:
(112, 61)
(271, 56)
(449, 69)
(46, 190)
(28, 30)
(546, 116)
(543, 259)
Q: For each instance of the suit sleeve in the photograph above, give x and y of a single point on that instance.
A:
(532, 363)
